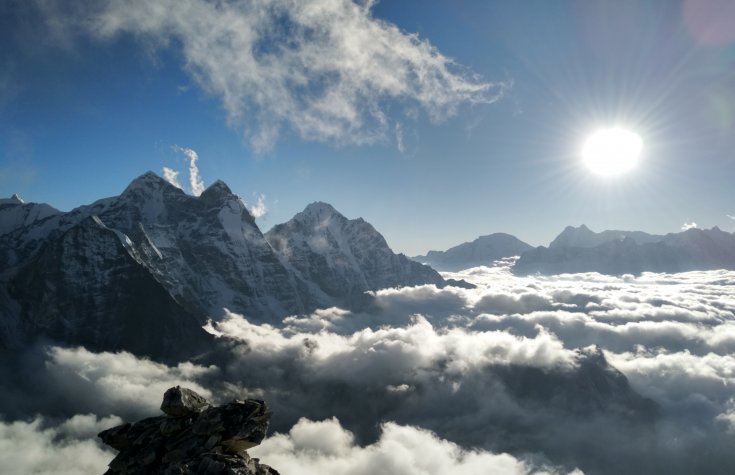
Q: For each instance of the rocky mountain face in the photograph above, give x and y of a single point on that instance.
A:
(480, 252)
(581, 250)
(15, 213)
(90, 286)
(343, 257)
(192, 438)
(163, 262)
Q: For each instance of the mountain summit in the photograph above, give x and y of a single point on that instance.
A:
(630, 252)
(344, 257)
(480, 252)
(156, 258)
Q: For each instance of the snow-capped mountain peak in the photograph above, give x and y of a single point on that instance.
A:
(346, 257)
(13, 200)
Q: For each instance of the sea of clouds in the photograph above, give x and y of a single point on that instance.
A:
(519, 375)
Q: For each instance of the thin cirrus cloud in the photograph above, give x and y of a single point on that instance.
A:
(325, 69)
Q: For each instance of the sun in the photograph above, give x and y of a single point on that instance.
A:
(613, 151)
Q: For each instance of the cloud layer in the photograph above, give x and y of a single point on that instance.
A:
(468, 374)
(326, 448)
(326, 69)
(68, 448)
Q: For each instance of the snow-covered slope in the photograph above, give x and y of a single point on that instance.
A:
(195, 255)
(90, 287)
(480, 252)
(694, 249)
(15, 213)
(344, 257)
(206, 250)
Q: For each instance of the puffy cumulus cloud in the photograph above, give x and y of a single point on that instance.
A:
(327, 69)
(326, 448)
(115, 383)
(398, 349)
(455, 381)
(68, 448)
(513, 365)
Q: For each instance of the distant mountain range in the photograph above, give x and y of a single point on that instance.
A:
(144, 270)
(630, 252)
(579, 249)
(480, 252)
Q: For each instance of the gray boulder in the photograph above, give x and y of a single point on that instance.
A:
(193, 438)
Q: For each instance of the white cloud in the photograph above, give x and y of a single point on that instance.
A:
(327, 69)
(415, 347)
(259, 209)
(457, 361)
(399, 138)
(67, 449)
(686, 226)
(196, 184)
(326, 448)
(171, 176)
(118, 383)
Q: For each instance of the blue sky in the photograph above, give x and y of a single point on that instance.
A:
(93, 94)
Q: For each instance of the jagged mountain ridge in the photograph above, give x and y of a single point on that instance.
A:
(480, 252)
(89, 286)
(620, 252)
(344, 257)
(14, 213)
(197, 255)
(583, 236)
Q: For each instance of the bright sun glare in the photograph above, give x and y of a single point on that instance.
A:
(611, 152)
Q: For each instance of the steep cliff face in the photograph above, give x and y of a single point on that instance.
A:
(343, 257)
(144, 269)
(90, 287)
(207, 251)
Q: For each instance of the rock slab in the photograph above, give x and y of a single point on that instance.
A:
(192, 438)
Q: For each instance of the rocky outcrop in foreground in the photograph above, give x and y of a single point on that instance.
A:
(192, 438)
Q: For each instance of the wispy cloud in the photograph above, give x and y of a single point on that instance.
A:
(171, 176)
(686, 226)
(259, 209)
(196, 184)
(730, 216)
(327, 69)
